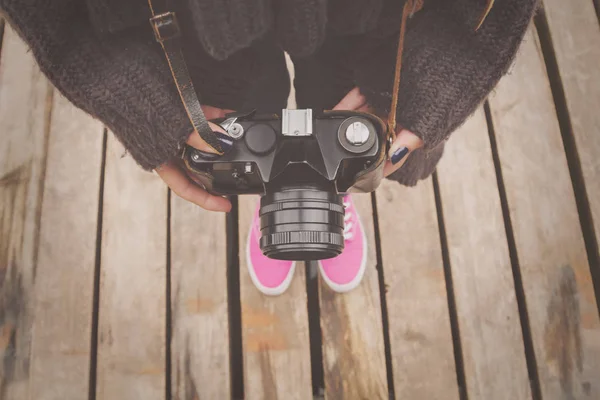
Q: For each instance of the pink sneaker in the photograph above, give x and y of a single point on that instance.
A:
(344, 272)
(271, 277)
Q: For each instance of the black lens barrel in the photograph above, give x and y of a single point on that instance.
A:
(301, 224)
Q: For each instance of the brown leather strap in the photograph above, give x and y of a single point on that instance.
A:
(158, 6)
(484, 14)
(167, 32)
(410, 7)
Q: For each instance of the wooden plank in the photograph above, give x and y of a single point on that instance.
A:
(488, 315)
(351, 326)
(576, 38)
(554, 267)
(131, 332)
(419, 322)
(23, 136)
(275, 340)
(67, 256)
(199, 319)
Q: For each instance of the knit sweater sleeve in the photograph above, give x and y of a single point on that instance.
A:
(122, 80)
(448, 67)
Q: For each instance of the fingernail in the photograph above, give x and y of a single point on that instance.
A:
(225, 141)
(399, 155)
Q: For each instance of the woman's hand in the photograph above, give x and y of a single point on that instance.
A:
(181, 184)
(405, 142)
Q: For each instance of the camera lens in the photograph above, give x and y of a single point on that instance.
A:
(301, 225)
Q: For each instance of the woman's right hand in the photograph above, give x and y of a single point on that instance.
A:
(405, 142)
(181, 184)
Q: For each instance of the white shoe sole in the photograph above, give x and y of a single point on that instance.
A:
(346, 287)
(275, 291)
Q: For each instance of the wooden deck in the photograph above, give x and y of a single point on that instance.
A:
(482, 281)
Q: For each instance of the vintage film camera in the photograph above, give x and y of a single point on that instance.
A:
(300, 164)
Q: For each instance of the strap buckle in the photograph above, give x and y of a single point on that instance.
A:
(165, 26)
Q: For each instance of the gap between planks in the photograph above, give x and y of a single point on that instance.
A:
(96, 288)
(584, 207)
(385, 321)
(532, 369)
(169, 305)
(2, 23)
(351, 325)
(451, 295)
(314, 327)
(236, 357)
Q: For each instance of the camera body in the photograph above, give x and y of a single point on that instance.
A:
(300, 164)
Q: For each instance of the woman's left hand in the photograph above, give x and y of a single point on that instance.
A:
(405, 143)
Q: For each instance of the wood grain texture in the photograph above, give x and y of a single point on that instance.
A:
(575, 35)
(276, 347)
(131, 328)
(67, 256)
(24, 107)
(352, 330)
(419, 322)
(558, 288)
(488, 316)
(199, 319)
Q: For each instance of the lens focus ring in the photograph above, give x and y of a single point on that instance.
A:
(301, 224)
(305, 204)
(302, 237)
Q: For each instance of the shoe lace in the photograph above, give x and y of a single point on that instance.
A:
(348, 222)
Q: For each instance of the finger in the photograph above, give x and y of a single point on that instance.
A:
(366, 109)
(405, 143)
(211, 112)
(197, 142)
(183, 187)
(352, 101)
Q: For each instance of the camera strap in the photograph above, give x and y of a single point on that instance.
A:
(410, 7)
(167, 33)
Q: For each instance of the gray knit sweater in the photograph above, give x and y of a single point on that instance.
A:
(102, 56)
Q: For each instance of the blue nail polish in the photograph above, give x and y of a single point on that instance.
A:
(399, 155)
(225, 141)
